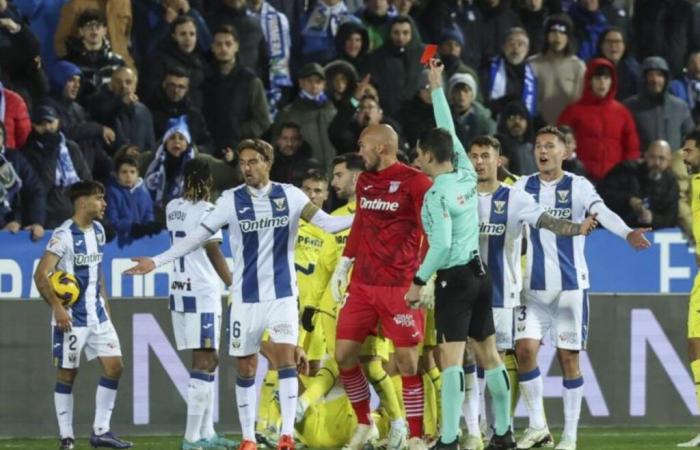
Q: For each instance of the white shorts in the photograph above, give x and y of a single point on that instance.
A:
(198, 330)
(564, 314)
(503, 321)
(248, 322)
(98, 340)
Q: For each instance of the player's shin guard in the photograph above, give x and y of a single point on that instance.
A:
(289, 390)
(385, 389)
(573, 393)
(499, 390)
(357, 390)
(413, 401)
(268, 414)
(452, 396)
(63, 401)
(207, 431)
(246, 404)
(533, 392)
(470, 407)
(695, 368)
(322, 383)
(104, 404)
(198, 394)
(511, 363)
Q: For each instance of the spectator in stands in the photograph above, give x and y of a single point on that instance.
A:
(22, 194)
(395, 67)
(662, 27)
(251, 41)
(658, 114)
(179, 49)
(376, 16)
(20, 63)
(352, 45)
(129, 204)
(345, 131)
(613, 46)
(571, 162)
(57, 161)
(341, 83)
(154, 21)
(15, 117)
(118, 107)
(687, 86)
(415, 115)
(605, 130)
(118, 18)
(471, 118)
(171, 100)
(235, 105)
(292, 155)
(318, 29)
(533, 14)
(516, 134)
(93, 138)
(92, 52)
(497, 16)
(509, 77)
(644, 193)
(559, 72)
(589, 24)
(450, 48)
(276, 30)
(314, 112)
(43, 19)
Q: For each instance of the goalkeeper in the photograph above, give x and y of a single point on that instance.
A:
(462, 287)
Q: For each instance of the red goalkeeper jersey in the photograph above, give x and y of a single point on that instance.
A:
(387, 234)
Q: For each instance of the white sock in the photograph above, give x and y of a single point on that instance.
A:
(198, 393)
(207, 431)
(104, 404)
(246, 400)
(289, 388)
(63, 401)
(470, 407)
(532, 390)
(573, 394)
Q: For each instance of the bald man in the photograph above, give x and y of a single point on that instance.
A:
(384, 251)
(644, 192)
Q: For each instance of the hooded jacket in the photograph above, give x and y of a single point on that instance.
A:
(344, 31)
(659, 116)
(605, 130)
(127, 206)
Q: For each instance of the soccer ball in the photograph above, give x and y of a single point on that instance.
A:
(66, 287)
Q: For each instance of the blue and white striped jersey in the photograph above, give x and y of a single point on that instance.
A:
(502, 215)
(81, 255)
(194, 283)
(263, 227)
(557, 262)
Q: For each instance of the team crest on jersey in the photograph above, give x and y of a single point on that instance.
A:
(280, 203)
(394, 186)
(499, 206)
(563, 196)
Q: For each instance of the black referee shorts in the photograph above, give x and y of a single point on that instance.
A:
(463, 303)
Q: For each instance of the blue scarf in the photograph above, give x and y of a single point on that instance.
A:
(65, 171)
(275, 28)
(10, 183)
(498, 80)
(318, 100)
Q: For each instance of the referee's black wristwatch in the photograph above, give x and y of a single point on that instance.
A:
(418, 282)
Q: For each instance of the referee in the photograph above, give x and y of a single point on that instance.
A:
(462, 287)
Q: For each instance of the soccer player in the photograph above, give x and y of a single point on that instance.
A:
(555, 299)
(462, 289)
(384, 250)
(263, 220)
(502, 214)
(76, 247)
(195, 304)
(691, 157)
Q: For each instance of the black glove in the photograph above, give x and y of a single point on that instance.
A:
(307, 318)
(138, 230)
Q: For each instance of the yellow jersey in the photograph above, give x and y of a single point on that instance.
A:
(695, 209)
(306, 253)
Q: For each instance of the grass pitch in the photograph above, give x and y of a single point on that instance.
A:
(589, 439)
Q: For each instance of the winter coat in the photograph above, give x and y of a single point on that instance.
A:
(43, 20)
(163, 110)
(476, 122)
(316, 40)
(496, 20)
(588, 26)
(290, 169)
(605, 130)
(629, 77)
(18, 67)
(345, 30)
(560, 81)
(29, 206)
(17, 123)
(659, 117)
(252, 52)
(631, 179)
(97, 66)
(44, 161)
(126, 207)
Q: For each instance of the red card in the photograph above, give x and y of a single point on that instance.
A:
(428, 54)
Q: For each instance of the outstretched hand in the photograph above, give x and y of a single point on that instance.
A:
(435, 69)
(637, 239)
(588, 225)
(144, 265)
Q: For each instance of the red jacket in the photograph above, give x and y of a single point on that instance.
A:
(604, 128)
(17, 123)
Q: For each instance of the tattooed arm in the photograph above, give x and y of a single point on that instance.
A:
(563, 227)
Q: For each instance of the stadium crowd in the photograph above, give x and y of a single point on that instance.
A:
(125, 92)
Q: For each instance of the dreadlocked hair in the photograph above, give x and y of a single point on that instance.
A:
(197, 180)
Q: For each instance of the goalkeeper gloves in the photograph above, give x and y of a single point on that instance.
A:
(339, 280)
